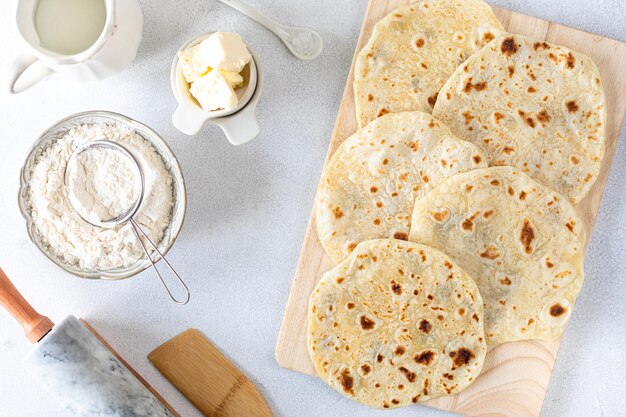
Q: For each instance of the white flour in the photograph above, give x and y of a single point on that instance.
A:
(102, 184)
(66, 234)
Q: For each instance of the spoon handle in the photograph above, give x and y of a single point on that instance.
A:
(254, 14)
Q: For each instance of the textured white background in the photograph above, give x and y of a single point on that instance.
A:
(248, 209)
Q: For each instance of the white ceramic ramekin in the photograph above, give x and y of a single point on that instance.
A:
(240, 125)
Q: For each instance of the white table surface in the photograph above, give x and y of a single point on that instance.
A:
(248, 211)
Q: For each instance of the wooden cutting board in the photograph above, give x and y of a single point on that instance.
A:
(516, 375)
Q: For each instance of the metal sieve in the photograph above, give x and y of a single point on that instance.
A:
(127, 215)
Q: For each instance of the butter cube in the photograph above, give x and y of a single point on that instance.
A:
(225, 50)
(191, 64)
(214, 91)
(234, 78)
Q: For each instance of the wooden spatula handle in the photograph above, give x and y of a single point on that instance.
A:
(35, 325)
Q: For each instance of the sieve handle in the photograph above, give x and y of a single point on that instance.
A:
(139, 233)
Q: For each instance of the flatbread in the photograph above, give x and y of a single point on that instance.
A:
(369, 186)
(533, 105)
(396, 323)
(521, 242)
(413, 51)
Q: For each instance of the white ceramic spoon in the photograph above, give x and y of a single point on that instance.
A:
(302, 42)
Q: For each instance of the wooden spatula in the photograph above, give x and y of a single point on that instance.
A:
(207, 378)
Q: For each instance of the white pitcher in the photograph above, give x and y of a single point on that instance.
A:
(114, 49)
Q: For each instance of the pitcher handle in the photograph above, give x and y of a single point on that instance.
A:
(25, 71)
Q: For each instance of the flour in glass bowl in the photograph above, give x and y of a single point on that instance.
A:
(65, 233)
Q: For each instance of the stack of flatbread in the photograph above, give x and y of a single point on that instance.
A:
(457, 230)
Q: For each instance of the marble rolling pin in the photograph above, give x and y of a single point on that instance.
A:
(76, 367)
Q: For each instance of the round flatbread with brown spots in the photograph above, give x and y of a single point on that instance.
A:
(396, 323)
(369, 186)
(414, 50)
(522, 242)
(533, 105)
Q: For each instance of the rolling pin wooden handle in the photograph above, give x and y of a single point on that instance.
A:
(35, 325)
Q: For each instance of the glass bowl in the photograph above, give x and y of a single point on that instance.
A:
(57, 131)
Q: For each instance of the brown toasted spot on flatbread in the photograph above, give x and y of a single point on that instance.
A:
(410, 376)
(570, 61)
(425, 326)
(543, 117)
(511, 70)
(572, 106)
(557, 310)
(505, 281)
(527, 119)
(468, 87)
(488, 36)
(376, 222)
(570, 225)
(461, 356)
(401, 236)
(396, 288)
(531, 89)
(382, 112)
(490, 252)
(522, 195)
(351, 247)
(337, 213)
(370, 97)
(339, 280)
(366, 369)
(508, 46)
(379, 358)
(399, 350)
(476, 159)
(346, 381)
(425, 358)
(373, 189)
(540, 45)
(495, 183)
(433, 99)
(366, 323)
(350, 306)
(468, 225)
(420, 42)
(467, 115)
(440, 216)
(526, 236)
(574, 160)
